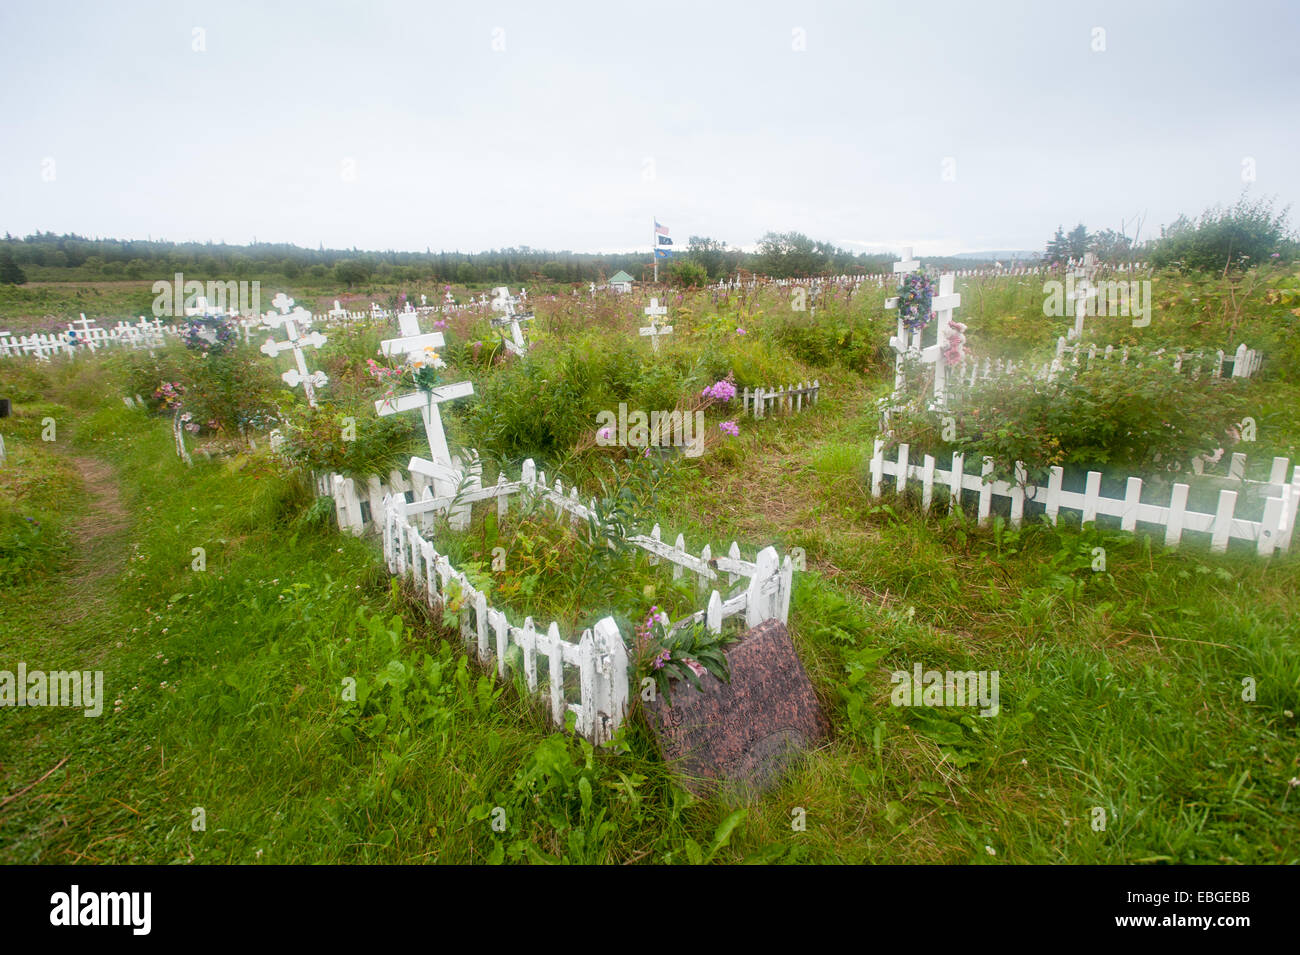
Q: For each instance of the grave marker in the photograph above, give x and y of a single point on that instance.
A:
(445, 471)
(504, 303)
(413, 341)
(1081, 291)
(290, 317)
(654, 330)
(905, 344)
(743, 734)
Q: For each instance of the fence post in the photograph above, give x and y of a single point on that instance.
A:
(610, 680)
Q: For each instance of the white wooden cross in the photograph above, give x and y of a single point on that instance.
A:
(1080, 291)
(899, 342)
(412, 341)
(82, 337)
(942, 304)
(338, 311)
(446, 472)
(654, 330)
(290, 317)
(504, 303)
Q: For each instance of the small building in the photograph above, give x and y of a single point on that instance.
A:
(620, 281)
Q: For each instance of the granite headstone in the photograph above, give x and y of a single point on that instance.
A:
(741, 735)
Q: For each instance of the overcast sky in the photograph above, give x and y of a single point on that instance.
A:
(472, 125)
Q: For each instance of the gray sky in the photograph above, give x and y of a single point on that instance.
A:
(569, 126)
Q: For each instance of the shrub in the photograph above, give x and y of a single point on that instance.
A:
(1243, 235)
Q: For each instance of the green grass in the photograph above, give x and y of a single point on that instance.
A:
(1120, 690)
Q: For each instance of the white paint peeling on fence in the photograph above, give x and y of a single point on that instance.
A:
(1272, 532)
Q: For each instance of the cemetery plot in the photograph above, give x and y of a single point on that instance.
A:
(1272, 530)
(603, 673)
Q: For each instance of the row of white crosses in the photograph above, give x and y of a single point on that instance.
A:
(291, 318)
(448, 474)
(1081, 290)
(942, 304)
(503, 302)
(654, 329)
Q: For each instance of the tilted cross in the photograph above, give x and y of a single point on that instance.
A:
(290, 317)
(504, 303)
(654, 330)
(442, 468)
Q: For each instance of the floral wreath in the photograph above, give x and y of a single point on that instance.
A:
(209, 334)
(914, 298)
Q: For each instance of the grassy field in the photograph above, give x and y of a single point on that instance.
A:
(1122, 694)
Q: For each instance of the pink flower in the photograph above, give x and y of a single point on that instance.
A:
(729, 427)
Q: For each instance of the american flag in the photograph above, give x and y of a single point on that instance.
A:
(660, 229)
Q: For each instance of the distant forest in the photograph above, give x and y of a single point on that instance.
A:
(47, 257)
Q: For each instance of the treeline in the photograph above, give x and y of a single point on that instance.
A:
(50, 257)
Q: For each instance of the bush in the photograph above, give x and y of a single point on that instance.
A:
(1243, 235)
(687, 274)
(1125, 417)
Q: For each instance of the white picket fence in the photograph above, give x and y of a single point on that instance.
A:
(154, 333)
(761, 402)
(1243, 363)
(1273, 531)
(599, 655)
(753, 280)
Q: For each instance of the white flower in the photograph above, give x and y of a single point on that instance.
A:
(990, 850)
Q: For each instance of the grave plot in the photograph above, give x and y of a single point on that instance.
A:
(1272, 529)
(588, 676)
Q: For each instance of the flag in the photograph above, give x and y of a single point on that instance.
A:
(660, 229)
(664, 240)
(663, 253)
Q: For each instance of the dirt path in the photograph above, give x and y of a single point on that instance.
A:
(100, 538)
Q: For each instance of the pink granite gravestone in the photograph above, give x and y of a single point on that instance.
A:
(741, 735)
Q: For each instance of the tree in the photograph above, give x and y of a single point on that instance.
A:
(10, 273)
(710, 254)
(789, 254)
(1078, 240)
(687, 274)
(1112, 247)
(1058, 250)
(351, 271)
